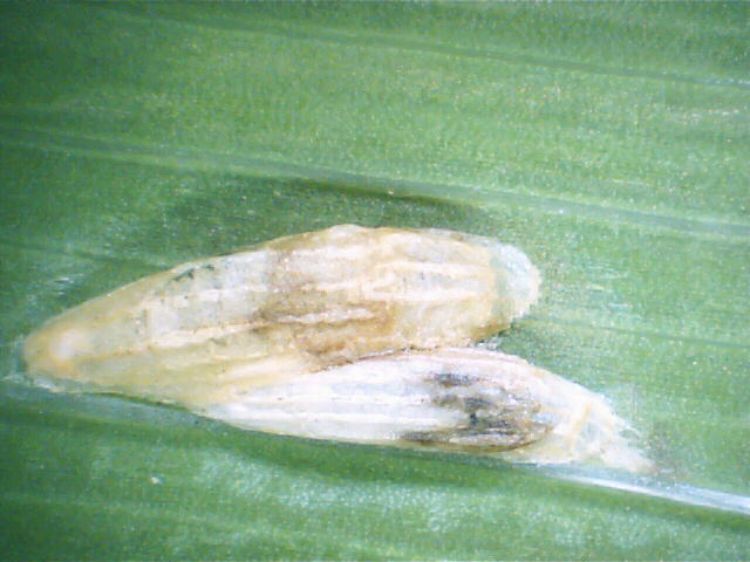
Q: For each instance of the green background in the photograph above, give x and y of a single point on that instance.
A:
(610, 141)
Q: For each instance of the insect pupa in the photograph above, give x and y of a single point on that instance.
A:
(462, 400)
(209, 330)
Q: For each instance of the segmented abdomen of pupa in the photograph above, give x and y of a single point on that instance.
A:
(209, 330)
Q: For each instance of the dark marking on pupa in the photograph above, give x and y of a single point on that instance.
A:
(187, 274)
(494, 421)
(449, 380)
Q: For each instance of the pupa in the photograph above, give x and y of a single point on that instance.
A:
(206, 331)
(348, 333)
(462, 400)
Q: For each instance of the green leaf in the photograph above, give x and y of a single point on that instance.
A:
(609, 141)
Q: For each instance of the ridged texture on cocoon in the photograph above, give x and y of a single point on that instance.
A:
(207, 331)
(465, 400)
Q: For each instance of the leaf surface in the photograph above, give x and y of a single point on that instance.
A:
(608, 141)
